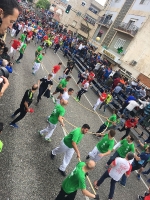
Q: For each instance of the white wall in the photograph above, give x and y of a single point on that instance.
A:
(139, 22)
(142, 7)
(117, 4)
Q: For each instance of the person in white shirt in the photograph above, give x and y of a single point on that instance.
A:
(85, 85)
(142, 93)
(83, 76)
(66, 95)
(132, 104)
(118, 168)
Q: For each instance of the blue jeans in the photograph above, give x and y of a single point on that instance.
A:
(123, 180)
(126, 112)
(112, 183)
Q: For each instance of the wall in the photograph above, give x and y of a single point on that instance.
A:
(117, 4)
(142, 7)
(139, 20)
(139, 50)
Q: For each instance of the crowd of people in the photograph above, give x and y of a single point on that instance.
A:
(28, 26)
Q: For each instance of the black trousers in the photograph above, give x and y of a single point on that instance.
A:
(101, 128)
(41, 92)
(22, 112)
(20, 57)
(82, 91)
(64, 196)
(127, 132)
(81, 79)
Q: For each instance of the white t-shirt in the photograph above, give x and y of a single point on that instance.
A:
(85, 86)
(19, 26)
(121, 166)
(80, 46)
(65, 96)
(132, 105)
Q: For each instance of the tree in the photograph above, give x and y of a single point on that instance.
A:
(45, 4)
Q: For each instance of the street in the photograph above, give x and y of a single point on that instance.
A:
(26, 170)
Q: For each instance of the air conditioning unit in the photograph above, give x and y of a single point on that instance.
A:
(83, 3)
(133, 63)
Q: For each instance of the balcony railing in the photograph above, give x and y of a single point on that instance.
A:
(105, 21)
(129, 29)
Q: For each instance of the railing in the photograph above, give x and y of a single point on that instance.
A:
(131, 29)
(105, 21)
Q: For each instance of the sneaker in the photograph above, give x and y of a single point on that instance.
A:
(140, 197)
(48, 139)
(77, 99)
(33, 73)
(14, 125)
(63, 173)
(12, 116)
(121, 184)
(52, 156)
(40, 133)
(87, 157)
(138, 176)
(32, 68)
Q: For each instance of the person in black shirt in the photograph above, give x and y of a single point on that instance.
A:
(44, 86)
(24, 106)
(66, 72)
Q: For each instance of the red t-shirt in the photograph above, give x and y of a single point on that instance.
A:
(30, 33)
(131, 123)
(147, 197)
(45, 37)
(91, 76)
(16, 44)
(103, 96)
(56, 68)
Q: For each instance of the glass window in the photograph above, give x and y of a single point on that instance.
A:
(120, 43)
(89, 19)
(145, 2)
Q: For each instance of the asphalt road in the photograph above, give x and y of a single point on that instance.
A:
(26, 170)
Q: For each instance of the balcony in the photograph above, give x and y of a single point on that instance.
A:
(128, 29)
(105, 22)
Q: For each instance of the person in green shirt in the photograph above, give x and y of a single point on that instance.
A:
(54, 118)
(107, 101)
(37, 63)
(103, 147)
(123, 147)
(23, 36)
(62, 85)
(68, 146)
(22, 50)
(38, 50)
(76, 180)
(108, 124)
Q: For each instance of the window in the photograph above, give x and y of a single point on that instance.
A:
(117, 1)
(84, 28)
(89, 19)
(94, 10)
(120, 43)
(144, 2)
(74, 23)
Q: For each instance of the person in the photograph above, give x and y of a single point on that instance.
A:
(109, 122)
(117, 168)
(83, 76)
(129, 123)
(14, 47)
(54, 118)
(9, 67)
(68, 146)
(123, 147)
(146, 173)
(3, 85)
(103, 147)
(146, 196)
(38, 50)
(9, 12)
(19, 27)
(66, 95)
(129, 98)
(23, 37)
(37, 63)
(44, 86)
(24, 106)
(139, 162)
(131, 105)
(56, 69)
(116, 90)
(76, 180)
(107, 101)
(22, 50)
(84, 89)
(66, 72)
(1, 129)
(101, 99)
(5, 54)
(62, 85)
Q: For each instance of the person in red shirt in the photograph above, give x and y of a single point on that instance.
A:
(29, 36)
(15, 45)
(146, 196)
(55, 69)
(91, 76)
(115, 83)
(129, 123)
(101, 99)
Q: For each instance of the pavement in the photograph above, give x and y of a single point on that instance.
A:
(26, 170)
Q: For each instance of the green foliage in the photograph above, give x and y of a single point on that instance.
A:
(45, 4)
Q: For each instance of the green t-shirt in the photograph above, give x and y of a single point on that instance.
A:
(74, 136)
(58, 111)
(125, 148)
(23, 37)
(39, 49)
(39, 57)
(23, 48)
(112, 118)
(105, 144)
(63, 82)
(75, 180)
